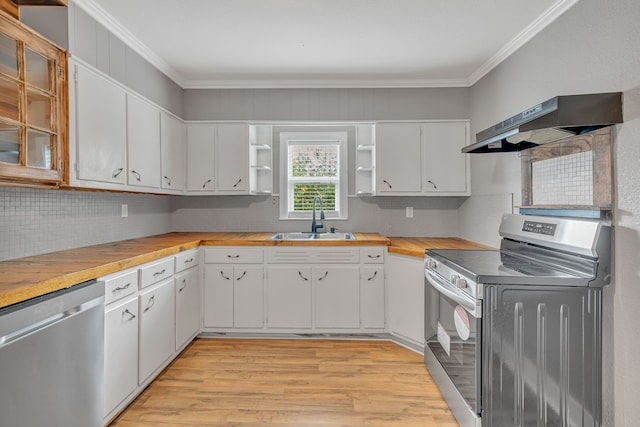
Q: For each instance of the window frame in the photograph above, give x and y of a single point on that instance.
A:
(309, 138)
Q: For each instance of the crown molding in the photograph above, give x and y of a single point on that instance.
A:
(324, 84)
(529, 32)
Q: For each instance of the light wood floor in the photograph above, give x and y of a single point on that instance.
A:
(265, 382)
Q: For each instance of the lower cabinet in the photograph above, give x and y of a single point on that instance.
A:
(337, 297)
(157, 327)
(121, 352)
(372, 297)
(289, 297)
(187, 296)
(405, 283)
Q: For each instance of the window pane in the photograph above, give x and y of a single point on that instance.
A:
(37, 69)
(9, 99)
(303, 195)
(39, 149)
(9, 144)
(38, 109)
(8, 56)
(313, 160)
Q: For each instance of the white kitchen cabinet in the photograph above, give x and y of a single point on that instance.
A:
(172, 152)
(143, 143)
(121, 352)
(218, 296)
(446, 168)
(98, 129)
(372, 297)
(336, 297)
(365, 160)
(187, 295)
(261, 159)
(200, 158)
(232, 141)
(405, 284)
(157, 327)
(248, 296)
(422, 159)
(289, 297)
(398, 158)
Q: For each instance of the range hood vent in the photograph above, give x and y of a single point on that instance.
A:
(552, 120)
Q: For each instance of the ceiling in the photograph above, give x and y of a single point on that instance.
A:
(325, 43)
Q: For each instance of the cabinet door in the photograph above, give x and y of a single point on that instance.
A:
(337, 297)
(398, 158)
(200, 158)
(218, 295)
(187, 306)
(233, 158)
(157, 328)
(143, 143)
(248, 290)
(289, 297)
(173, 152)
(101, 128)
(372, 307)
(405, 283)
(120, 352)
(445, 166)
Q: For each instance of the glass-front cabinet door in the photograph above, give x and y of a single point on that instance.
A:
(33, 106)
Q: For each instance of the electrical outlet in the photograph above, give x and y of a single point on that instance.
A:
(409, 212)
(124, 209)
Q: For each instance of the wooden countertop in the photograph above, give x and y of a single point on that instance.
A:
(26, 278)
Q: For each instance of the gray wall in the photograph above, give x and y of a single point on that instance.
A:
(34, 221)
(591, 48)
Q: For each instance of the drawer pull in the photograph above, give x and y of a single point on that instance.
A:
(375, 273)
(151, 303)
(306, 279)
(374, 256)
(187, 261)
(184, 285)
(159, 273)
(326, 273)
(121, 288)
(233, 256)
(223, 276)
(130, 315)
(243, 274)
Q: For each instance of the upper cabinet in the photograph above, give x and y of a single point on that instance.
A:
(143, 143)
(33, 106)
(173, 151)
(417, 159)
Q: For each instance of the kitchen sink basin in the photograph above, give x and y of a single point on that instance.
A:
(312, 236)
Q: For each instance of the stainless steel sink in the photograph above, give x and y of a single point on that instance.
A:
(298, 235)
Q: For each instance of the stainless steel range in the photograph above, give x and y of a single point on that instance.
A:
(513, 336)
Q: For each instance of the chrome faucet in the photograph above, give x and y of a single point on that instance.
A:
(315, 226)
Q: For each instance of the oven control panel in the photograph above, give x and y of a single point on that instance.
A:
(545, 228)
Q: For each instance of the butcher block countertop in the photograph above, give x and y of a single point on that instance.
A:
(25, 278)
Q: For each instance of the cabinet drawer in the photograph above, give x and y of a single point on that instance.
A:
(153, 273)
(119, 285)
(233, 255)
(186, 260)
(304, 255)
(373, 255)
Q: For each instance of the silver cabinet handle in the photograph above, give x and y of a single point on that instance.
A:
(121, 288)
(205, 183)
(233, 256)
(117, 172)
(375, 273)
(168, 180)
(306, 279)
(374, 256)
(136, 175)
(243, 274)
(184, 285)
(130, 315)
(237, 183)
(151, 303)
(326, 273)
(223, 276)
(159, 273)
(387, 182)
(188, 261)
(432, 183)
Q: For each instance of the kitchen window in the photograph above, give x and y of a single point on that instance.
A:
(316, 164)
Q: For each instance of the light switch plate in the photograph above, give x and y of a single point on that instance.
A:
(409, 212)
(124, 211)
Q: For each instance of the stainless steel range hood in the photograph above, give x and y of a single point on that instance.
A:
(554, 119)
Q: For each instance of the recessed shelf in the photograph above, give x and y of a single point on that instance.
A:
(263, 193)
(364, 169)
(363, 147)
(261, 167)
(261, 146)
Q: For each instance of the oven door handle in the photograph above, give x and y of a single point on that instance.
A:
(440, 285)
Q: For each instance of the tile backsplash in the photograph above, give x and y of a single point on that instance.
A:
(35, 221)
(565, 180)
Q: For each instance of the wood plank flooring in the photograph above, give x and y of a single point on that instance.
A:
(274, 382)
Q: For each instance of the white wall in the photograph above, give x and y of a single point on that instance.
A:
(594, 47)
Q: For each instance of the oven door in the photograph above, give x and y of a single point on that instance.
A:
(453, 347)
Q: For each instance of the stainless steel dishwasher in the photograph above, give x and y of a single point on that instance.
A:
(51, 359)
